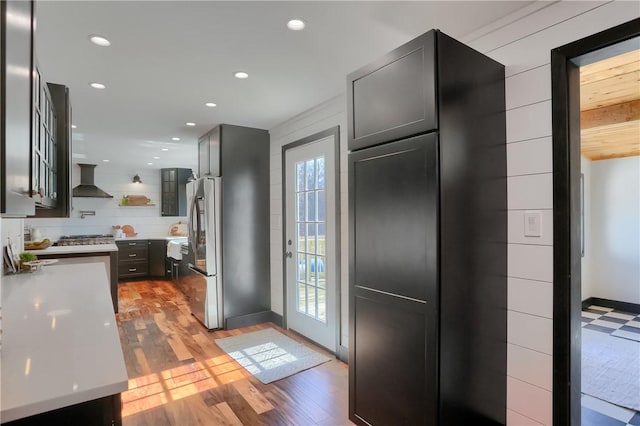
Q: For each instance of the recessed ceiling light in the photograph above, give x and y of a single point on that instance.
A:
(210, 105)
(175, 139)
(296, 24)
(190, 124)
(149, 164)
(106, 161)
(97, 85)
(99, 40)
(241, 74)
(156, 158)
(165, 149)
(73, 126)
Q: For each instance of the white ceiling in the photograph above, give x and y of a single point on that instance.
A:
(168, 58)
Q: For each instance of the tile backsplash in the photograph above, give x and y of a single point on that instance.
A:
(146, 220)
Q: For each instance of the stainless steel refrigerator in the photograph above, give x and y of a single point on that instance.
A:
(203, 284)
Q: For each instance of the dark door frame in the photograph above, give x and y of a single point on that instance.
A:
(565, 89)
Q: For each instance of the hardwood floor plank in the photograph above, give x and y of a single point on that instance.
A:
(256, 400)
(179, 376)
(227, 413)
(141, 361)
(181, 351)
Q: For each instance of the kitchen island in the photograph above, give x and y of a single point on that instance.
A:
(90, 253)
(61, 352)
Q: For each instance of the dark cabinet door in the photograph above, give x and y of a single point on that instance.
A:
(60, 184)
(394, 97)
(169, 203)
(209, 153)
(157, 257)
(203, 155)
(174, 191)
(394, 364)
(17, 33)
(393, 279)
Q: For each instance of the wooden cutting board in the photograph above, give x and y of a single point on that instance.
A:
(178, 230)
(128, 230)
(137, 200)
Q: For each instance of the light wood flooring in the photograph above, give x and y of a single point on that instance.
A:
(179, 376)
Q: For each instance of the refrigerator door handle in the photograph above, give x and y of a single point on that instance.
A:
(194, 235)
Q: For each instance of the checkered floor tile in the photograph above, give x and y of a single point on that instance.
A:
(611, 321)
(626, 325)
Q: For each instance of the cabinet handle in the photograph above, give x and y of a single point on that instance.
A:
(132, 255)
(132, 244)
(133, 269)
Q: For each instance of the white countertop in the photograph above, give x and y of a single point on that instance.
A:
(92, 248)
(60, 343)
(149, 237)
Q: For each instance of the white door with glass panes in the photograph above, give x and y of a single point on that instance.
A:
(310, 241)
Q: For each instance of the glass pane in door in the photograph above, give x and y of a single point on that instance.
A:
(310, 239)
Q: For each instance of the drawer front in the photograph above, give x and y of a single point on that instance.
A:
(126, 245)
(133, 254)
(133, 269)
(394, 97)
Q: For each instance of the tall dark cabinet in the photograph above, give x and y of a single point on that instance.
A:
(240, 156)
(427, 237)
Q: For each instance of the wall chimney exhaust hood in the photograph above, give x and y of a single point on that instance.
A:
(87, 187)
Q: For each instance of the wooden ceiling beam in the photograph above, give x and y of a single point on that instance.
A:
(612, 114)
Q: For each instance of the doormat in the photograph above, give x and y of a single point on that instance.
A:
(610, 369)
(270, 355)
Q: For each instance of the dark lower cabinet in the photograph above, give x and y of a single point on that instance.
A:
(106, 411)
(133, 259)
(427, 238)
(392, 339)
(142, 259)
(157, 258)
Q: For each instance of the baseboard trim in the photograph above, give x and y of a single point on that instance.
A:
(277, 319)
(253, 319)
(633, 308)
(343, 354)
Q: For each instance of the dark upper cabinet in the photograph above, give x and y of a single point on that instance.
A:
(17, 27)
(174, 191)
(428, 237)
(43, 144)
(51, 148)
(209, 153)
(393, 97)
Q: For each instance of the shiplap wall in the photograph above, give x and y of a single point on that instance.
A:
(116, 181)
(524, 47)
(522, 42)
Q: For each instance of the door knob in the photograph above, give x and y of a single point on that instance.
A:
(288, 254)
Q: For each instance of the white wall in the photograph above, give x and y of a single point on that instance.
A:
(588, 258)
(523, 43)
(615, 197)
(116, 181)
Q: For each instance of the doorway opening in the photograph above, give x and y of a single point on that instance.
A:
(566, 63)
(311, 210)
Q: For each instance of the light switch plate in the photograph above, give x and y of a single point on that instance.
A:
(532, 224)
